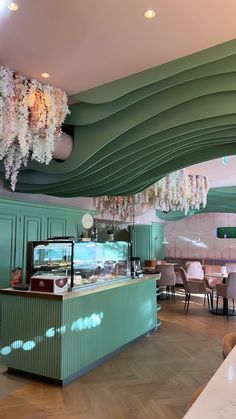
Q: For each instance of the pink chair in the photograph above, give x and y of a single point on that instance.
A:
(196, 394)
(229, 341)
(230, 267)
(194, 270)
(211, 270)
(168, 277)
(193, 286)
(227, 290)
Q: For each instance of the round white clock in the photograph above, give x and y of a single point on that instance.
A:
(87, 221)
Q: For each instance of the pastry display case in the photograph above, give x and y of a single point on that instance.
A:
(83, 263)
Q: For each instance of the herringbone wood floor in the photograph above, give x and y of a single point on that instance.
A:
(153, 378)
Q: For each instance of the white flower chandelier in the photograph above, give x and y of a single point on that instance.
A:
(31, 115)
(177, 192)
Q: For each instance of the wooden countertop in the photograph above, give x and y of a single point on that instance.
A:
(79, 292)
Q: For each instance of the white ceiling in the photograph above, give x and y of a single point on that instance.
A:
(85, 43)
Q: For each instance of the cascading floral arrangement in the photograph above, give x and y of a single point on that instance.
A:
(178, 191)
(31, 115)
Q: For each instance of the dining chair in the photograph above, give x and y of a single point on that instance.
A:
(212, 269)
(193, 286)
(211, 291)
(230, 267)
(196, 394)
(229, 341)
(194, 270)
(168, 277)
(227, 290)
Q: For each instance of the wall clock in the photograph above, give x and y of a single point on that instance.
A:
(87, 221)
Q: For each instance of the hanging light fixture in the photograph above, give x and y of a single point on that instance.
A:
(164, 240)
(31, 115)
(176, 192)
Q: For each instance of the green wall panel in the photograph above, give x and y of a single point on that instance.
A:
(147, 241)
(56, 226)
(8, 230)
(21, 222)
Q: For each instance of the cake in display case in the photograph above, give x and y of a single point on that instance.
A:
(83, 263)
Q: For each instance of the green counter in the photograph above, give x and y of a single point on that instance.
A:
(60, 337)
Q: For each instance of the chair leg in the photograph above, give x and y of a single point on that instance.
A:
(208, 302)
(189, 296)
(173, 292)
(204, 301)
(233, 304)
(212, 301)
(227, 310)
(217, 302)
(186, 302)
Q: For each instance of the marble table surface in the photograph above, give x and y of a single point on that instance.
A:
(218, 399)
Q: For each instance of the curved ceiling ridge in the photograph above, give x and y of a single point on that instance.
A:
(131, 132)
(120, 87)
(85, 114)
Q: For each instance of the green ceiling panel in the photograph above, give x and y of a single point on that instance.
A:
(133, 131)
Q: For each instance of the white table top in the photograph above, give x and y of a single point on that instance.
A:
(218, 399)
(217, 275)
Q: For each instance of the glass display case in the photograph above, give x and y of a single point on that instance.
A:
(83, 263)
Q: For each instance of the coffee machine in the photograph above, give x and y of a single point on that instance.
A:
(136, 270)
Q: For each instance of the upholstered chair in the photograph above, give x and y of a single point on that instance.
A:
(211, 270)
(227, 290)
(194, 270)
(196, 394)
(168, 277)
(193, 286)
(229, 341)
(230, 267)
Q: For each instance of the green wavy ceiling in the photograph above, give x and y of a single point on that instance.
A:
(133, 131)
(218, 200)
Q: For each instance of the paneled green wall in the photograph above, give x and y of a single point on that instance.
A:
(147, 241)
(21, 222)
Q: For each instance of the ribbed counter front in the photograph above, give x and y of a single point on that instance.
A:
(62, 336)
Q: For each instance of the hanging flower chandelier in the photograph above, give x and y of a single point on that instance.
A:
(177, 192)
(31, 115)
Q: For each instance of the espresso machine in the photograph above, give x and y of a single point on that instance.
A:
(136, 270)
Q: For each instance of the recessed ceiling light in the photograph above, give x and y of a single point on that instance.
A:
(13, 7)
(45, 75)
(150, 14)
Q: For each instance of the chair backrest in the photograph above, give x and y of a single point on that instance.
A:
(231, 285)
(212, 269)
(194, 270)
(167, 275)
(230, 267)
(229, 341)
(184, 279)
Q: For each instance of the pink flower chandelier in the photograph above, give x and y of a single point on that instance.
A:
(31, 115)
(178, 191)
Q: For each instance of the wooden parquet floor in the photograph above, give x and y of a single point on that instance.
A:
(152, 378)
